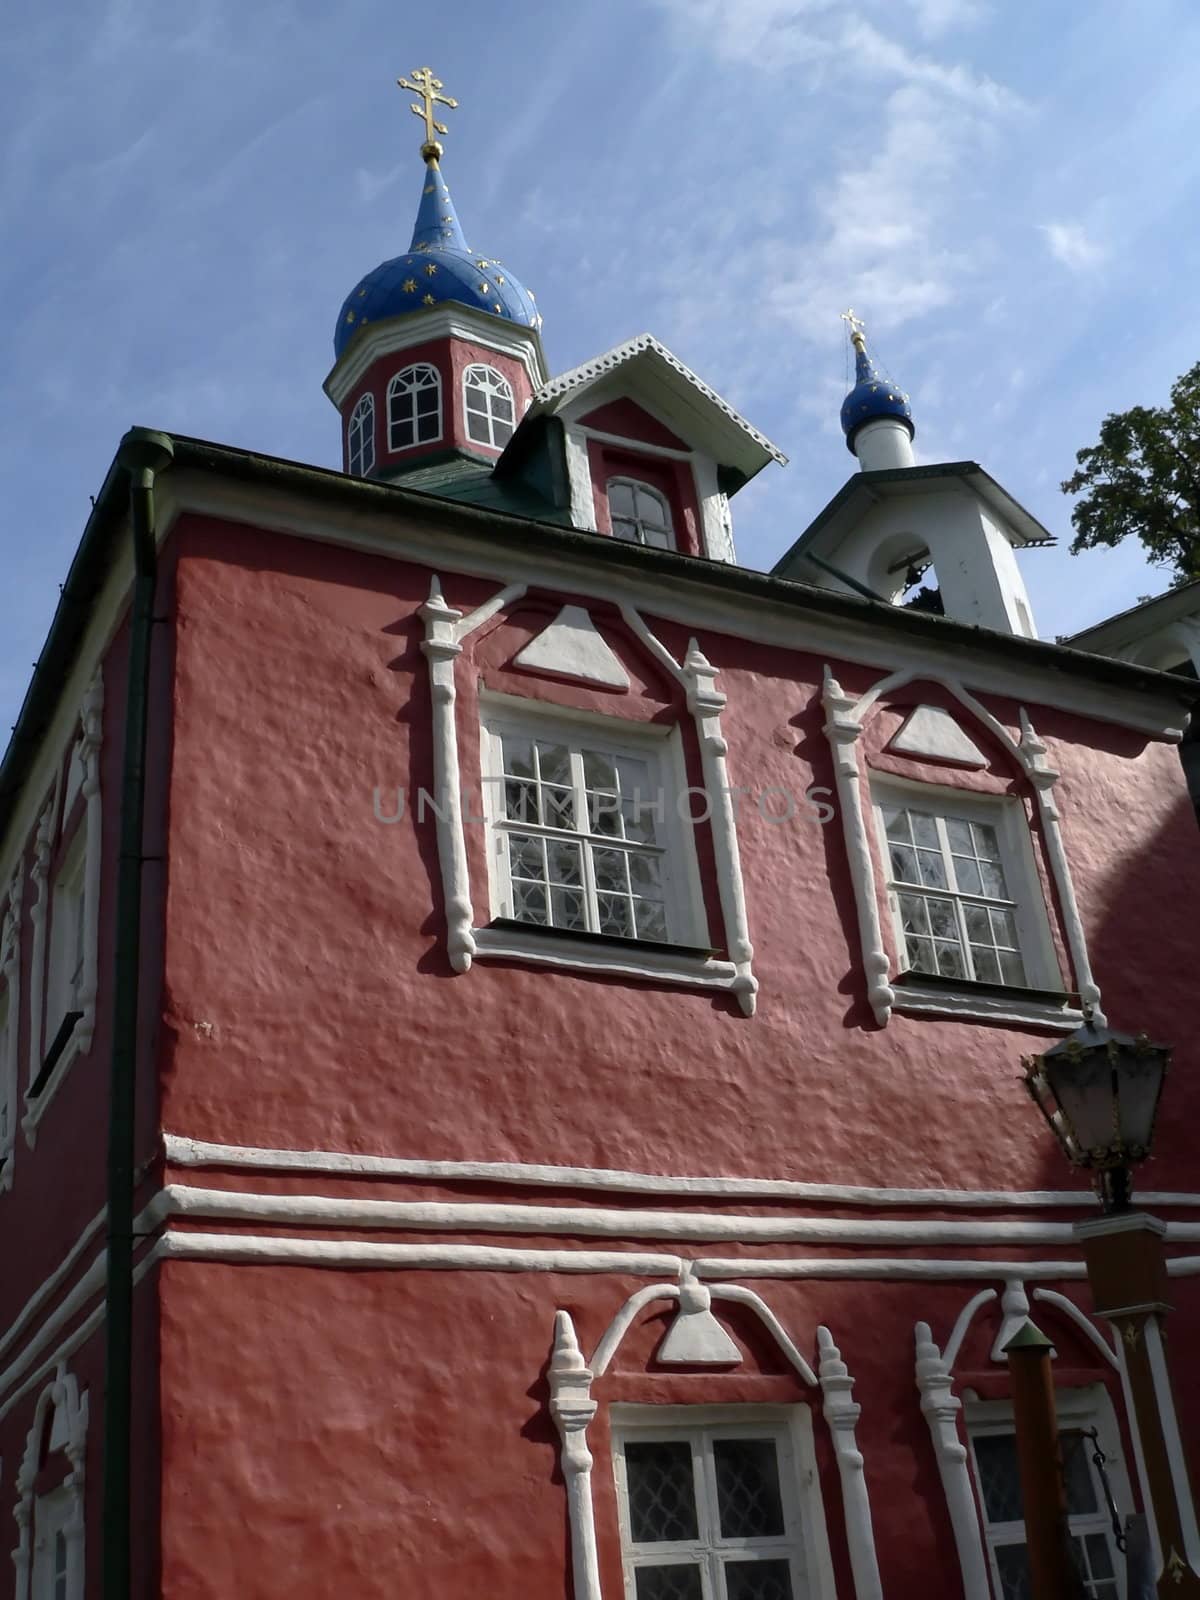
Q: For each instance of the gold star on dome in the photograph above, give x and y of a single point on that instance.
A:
(500, 280)
(349, 316)
(361, 293)
(482, 289)
(531, 294)
(423, 245)
(481, 264)
(428, 300)
(499, 307)
(409, 286)
(430, 269)
(428, 188)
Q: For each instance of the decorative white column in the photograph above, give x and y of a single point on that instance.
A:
(1043, 777)
(38, 915)
(842, 730)
(706, 702)
(941, 1407)
(842, 1413)
(572, 1407)
(89, 756)
(441, 648)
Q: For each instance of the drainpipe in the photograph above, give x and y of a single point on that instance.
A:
(143, 454)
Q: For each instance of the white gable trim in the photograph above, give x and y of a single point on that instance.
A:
(930, 732)
(573, 647)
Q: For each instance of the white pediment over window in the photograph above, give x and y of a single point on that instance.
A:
(933, 733)
(573, 647)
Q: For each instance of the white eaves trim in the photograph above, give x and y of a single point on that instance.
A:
(670, 375)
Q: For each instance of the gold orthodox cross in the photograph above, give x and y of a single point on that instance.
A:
(427, 86)
(858, 327)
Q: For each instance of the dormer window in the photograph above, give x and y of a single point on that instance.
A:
(360, 438)
(488, 399)
(640, 514)
(414, 401)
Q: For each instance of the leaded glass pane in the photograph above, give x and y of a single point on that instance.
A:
(564, 861)
(950, 960)
(1012, 1563)
(610, 869)
(529, 902)
(993, 881)
(567, 909)
(959, 835)
(615, 914)
(669, 1583)
(758, 1580)
(662, 1492)
(999, 1481)
(933, 869)
(967, 875)
(914, 914)
(651, 919)
(924, 830)
(987, 845)
(748, 1488)
(904, 864)
(942, 921)
(645, 873)
(987, 964)
(1012, 968)
(620, 498)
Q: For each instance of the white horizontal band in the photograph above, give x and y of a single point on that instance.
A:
(184, 1152)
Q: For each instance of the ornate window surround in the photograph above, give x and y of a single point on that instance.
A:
(941, 1406)
(445, 631)
(696, 1338)
(68, 1434)
(86, 750)
(845, 720)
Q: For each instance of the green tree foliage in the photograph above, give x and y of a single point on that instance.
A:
(1143, 478)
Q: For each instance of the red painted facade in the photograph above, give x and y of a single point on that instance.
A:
(314, 1421)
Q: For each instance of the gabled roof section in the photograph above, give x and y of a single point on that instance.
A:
(866, 489)
(647, 370)
(1139, 622)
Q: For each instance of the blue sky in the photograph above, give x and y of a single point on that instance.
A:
(1004, 189)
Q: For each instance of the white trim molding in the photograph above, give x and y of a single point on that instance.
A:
(842, 1412)
(10, 971)
(68, 1434)
(441, 648)
(845, 720)
(572, 1407)
(38, 915)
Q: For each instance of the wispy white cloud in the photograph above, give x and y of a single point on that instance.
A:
(1071, 246)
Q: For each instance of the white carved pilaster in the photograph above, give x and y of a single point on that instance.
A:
(1043, 777)
(572, 1407)
(842, 1414)
(10, 972)
(39, 874)
(842, 729)
(706, 702)
(941, 1407)
(441, 648)
(89, 754)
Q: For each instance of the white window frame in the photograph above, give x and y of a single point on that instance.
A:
(660, 748)
(360, 437)
(804, 1544)
(51, 1577)
(1006, 814)
(492, 385)
(1088, 1407)
(68, 937)
(669, 539)
(406, 385)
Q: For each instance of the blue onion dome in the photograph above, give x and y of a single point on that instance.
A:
(872, 396)
(438, 268)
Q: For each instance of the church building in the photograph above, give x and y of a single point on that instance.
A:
(560, 998)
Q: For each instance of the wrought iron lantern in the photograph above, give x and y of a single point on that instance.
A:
(1099, 1091)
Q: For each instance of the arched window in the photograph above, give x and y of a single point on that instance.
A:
(489, 403)
(640, 514)
(414, 407)
(360, 438)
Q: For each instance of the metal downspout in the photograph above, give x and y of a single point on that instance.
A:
(143, 454)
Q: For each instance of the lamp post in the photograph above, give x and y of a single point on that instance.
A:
(1099, 1092)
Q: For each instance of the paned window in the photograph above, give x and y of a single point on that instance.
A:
(65, 979)
(707, 1514)
(488, 399)
(639, 513)
(583, 836)
(951, 889)
(414, 407)
(360, 438)
(1089, 1520)
(51, 1552)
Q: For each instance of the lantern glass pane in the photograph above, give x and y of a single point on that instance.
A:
(1140, 1076)
(1082, 1084)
